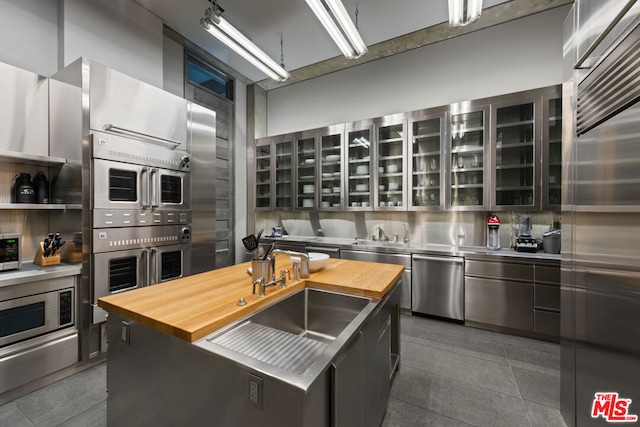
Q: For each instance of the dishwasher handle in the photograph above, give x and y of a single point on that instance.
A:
(457, 260)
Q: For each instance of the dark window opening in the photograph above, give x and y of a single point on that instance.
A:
(209, 77)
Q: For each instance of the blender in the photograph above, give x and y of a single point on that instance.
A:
(493, 233)
(524, 242)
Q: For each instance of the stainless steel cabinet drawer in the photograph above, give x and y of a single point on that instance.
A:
(547, 296)
(547, 274)
(511, 271)
(377, 257)
(499, 302)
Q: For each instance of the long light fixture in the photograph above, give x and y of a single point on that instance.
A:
(463, 12)
(336, 21)
(220, 28)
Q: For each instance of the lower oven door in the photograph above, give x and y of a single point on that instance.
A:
(169, 262)
(25, 317)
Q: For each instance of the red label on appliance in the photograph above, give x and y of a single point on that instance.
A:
(612, 408)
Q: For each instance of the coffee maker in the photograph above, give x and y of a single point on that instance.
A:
(524, 241)
(493, 233)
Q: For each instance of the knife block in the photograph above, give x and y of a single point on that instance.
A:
(46, 261)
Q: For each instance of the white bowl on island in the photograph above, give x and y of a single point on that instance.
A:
(317, 261)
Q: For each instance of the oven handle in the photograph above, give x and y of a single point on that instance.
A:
(144, 188)
(144, 268)
(153, 264)
(170, 143)
(154, 185)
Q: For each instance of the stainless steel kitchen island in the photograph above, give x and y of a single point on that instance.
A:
(321, 352)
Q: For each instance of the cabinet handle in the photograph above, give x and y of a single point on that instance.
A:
(143, 136)
(456, 260)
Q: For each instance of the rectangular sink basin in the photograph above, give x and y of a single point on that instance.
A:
(293, 333)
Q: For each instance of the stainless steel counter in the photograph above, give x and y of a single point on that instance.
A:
(409, 248)
(31, 272)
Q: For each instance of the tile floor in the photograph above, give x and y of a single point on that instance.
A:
(450, 375)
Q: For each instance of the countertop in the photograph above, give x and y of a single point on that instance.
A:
(192, 307)
(410, 248)
(30, 272)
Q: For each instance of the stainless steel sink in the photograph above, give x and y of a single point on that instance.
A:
(294, 338)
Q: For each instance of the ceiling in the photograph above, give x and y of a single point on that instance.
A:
(305, 41)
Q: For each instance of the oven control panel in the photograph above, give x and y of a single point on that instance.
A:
(66, 307)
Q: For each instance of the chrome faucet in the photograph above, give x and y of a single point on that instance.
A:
(304, 261)
(379, 234)
(406, 232)
(282, 280)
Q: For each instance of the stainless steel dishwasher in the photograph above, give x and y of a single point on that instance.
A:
(437, 284)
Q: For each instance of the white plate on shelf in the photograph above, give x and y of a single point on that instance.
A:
(362, 170)
(362, 187)
(327, 175)
(310, 161)
(333, 157)
(326, 204)
(308, 189)
(336, 189)
(326, 190)
(337, 174)
(307, 203)
(336, 205)
(392, 168)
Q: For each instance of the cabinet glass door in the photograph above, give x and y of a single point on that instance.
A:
(359, 168)
(554, 152)
(515, 154)
(467, 159)
(284, 175)
(331, 171)
(390, 154)
(426, 167)
(263, 177)
(306, 183)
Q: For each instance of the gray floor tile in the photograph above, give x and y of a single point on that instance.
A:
(533, 360)
(538, 388)
(458, 329)
(539, 345)
(492, 375)
(93, 417)
(465, 402)
(11, 415)
(67, 398)
(544, 416)
(402, 414)
(459, 339)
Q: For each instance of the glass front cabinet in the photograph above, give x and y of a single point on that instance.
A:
(263, 175)
(426, 170)
(516, 154)
(306, 170)
(468, 129)
(391, 164)
(359, 171)
(331, 169)
(552, 151)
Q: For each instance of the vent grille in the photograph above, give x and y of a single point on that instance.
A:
(612, 87)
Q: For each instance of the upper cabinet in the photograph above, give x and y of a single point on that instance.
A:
(391, 164)
(359, 166)
(306, 173)
(426, 153)
(468, 156)
(331, 169)
(516, 154)
(552, 151)
(502, 153)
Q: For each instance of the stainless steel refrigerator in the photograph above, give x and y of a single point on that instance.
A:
(600, 352)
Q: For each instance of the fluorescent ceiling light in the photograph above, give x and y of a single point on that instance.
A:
(221, 29)
(336, 21)
(463, 12)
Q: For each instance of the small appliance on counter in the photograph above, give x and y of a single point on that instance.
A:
(10, 251)
(524, 242)
(551, 242)
(41, 185)
(276, 231)
(493, 233)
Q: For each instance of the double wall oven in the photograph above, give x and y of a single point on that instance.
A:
(141, 212)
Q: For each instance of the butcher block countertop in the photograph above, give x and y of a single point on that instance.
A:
(193, 307)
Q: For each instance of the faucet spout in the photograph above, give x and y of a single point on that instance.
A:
(304, 261)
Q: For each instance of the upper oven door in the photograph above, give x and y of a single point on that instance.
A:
(132, 187)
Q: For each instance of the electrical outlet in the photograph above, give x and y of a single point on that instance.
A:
(255, 391)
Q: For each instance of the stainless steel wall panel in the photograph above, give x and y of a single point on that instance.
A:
(202, 134)
(24, 112)
(65, 126)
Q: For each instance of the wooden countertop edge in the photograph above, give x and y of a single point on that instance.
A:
(254, 303)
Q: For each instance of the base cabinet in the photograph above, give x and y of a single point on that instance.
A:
(503, 303)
